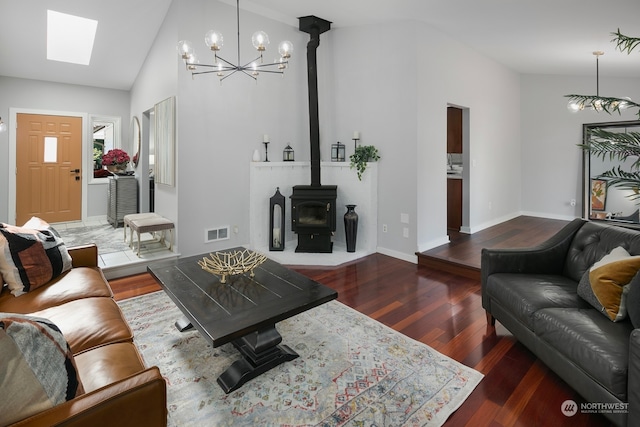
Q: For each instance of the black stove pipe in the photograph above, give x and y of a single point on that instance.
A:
(314, 26)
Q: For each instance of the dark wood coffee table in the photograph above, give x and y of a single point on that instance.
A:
(243, 311)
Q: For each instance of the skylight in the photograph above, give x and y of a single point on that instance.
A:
(70, 38)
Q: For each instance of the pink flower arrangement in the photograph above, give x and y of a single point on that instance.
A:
(115, 157)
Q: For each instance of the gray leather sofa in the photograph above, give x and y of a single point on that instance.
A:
(533, 293)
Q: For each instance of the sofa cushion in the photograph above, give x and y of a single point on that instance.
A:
(31, 257)
(77, 283)
(592, 242)
(592, 342)
(90, 322)
(38, 370)
(108, 364)
(604, 285)
(524, 294)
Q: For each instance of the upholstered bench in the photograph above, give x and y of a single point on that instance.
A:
(147, 223)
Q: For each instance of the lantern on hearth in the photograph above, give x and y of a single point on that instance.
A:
(287, 154)
(276, 221)
(337, 152)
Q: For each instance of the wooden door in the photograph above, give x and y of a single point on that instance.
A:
(48, 168)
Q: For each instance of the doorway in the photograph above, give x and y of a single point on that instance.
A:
(48, 168)
(458, 173)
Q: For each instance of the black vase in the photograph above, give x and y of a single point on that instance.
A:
(351, 227)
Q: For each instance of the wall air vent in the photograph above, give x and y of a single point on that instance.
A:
(215, 234)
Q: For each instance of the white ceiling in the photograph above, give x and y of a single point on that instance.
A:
(529, 36)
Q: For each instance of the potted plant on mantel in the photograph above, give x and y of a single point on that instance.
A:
(613, 145)
(362, 155)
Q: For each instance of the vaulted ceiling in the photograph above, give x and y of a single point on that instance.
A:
(529, 36)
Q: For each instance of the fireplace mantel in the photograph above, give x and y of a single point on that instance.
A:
(265, 177)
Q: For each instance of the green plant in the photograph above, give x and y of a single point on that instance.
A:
(614, 145)
(363, 155)
(617, 146)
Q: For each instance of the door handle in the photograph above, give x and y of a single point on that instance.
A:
(75, 171)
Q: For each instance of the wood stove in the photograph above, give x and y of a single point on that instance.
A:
(313, 217)
(313, 207)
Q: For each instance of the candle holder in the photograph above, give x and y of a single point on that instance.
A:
(266, 151)
(355, 143)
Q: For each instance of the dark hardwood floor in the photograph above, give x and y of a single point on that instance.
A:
(443, 310)
(462, 254)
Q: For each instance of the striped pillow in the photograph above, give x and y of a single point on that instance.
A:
(37, 370)
(31, 256)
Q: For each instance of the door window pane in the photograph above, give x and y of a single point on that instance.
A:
(50, 149)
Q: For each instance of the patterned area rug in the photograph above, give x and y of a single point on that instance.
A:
(352, 371)
(107, 238)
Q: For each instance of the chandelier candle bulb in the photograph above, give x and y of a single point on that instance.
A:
(285, 48)
(214, 40)
(185, 49)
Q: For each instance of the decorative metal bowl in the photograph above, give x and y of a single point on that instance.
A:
(225, 264)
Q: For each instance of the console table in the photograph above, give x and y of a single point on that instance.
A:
(123, 198)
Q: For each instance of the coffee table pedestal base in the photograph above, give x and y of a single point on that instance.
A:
(261, 352)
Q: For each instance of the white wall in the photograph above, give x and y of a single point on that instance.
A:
(157, 81)
(38, 95)
(395, 91)
(551, 160)
(374, 80)
(452, 73)
(219, 126)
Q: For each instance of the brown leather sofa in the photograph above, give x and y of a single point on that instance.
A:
(119, 389)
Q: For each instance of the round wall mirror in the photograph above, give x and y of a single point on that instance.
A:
(135, 139)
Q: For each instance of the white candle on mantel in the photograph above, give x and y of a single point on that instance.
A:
(265, 138)
(356, 135)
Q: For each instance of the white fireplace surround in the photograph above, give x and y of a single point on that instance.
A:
(265, 177)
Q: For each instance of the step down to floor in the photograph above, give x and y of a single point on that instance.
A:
(448, 265)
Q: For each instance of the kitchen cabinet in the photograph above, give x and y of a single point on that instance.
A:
(454, 130)
(454, 203)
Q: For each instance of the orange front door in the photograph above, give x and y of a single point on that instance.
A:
(49, 168)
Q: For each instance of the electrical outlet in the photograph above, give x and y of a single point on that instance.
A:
(384, 228)
(235, 229)
(404, 218)
(405, 232)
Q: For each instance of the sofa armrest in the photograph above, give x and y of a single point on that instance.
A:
(84, 256)
(633, 384)
(139, 400)
(546, 258)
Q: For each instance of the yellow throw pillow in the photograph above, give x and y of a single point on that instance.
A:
(608, 278)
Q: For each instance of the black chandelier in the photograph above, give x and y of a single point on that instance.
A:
(579, 102)
(224, 68)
